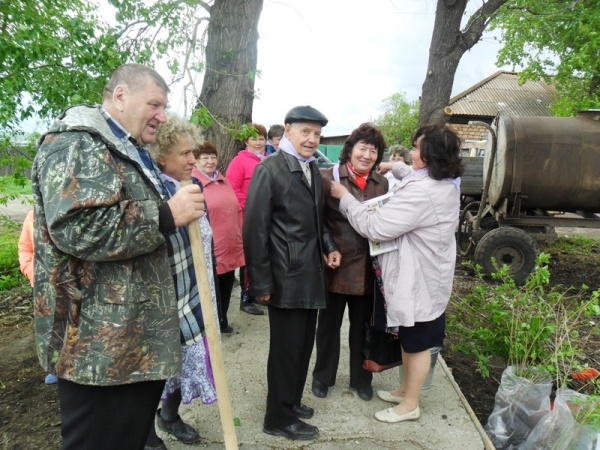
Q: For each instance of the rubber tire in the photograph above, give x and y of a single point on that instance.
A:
(508, 245)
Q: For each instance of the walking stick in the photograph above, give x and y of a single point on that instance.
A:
(210, 327)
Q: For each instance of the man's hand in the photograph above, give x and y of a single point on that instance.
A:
(264, 298)
(333, 260)
(187, 204)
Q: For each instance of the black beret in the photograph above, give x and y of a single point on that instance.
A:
(305, 114)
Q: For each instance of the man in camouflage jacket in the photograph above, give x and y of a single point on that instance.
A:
(104, 303)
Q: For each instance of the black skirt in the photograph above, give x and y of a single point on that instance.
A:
(423, 335)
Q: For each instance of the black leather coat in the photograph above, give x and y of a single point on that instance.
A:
(284, 236)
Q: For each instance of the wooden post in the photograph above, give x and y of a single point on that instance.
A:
(210, 326)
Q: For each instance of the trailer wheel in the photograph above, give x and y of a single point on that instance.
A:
(510, 246)
(464, 228)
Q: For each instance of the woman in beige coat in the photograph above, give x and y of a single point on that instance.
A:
(421, 217)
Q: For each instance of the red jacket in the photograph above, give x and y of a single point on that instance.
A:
(225, 220)
(239, 173)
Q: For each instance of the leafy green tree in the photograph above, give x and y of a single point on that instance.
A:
(559, 41)
(52, 53)
(55, 53)
(399, 119)
(449, 42)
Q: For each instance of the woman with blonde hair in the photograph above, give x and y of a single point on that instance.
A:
(173, 152)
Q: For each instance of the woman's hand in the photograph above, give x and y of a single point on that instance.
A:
(384, 167)
(337, 190)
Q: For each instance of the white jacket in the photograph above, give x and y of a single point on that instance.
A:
(421, 216)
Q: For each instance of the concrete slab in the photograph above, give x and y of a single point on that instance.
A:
(344, 420)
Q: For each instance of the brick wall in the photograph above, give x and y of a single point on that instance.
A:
(469, 132)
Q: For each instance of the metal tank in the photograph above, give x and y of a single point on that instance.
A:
(552, 163)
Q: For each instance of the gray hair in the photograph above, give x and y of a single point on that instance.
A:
(133, 76)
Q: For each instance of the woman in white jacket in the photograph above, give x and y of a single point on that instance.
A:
(421, 217)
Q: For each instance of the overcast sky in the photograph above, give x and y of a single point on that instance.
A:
(344, 57)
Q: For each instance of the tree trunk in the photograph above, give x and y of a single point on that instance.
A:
(448, 45)
(228, 86)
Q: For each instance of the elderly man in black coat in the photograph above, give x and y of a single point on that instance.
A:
(285, 243)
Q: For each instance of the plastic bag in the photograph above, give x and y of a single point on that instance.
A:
(519, 405)
(558, 430)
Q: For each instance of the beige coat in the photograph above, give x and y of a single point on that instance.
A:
(421, 216)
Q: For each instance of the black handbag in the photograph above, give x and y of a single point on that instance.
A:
(381, 350)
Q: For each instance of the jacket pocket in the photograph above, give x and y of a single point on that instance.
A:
(295, 257)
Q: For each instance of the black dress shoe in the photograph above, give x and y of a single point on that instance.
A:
(298, 430)
(303, 411)
(251, 309)
(178, 428)
(365, 393)
(227, 330)
(319, 389)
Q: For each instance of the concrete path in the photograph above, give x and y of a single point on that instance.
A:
(344, 420)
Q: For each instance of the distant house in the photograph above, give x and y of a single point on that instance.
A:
(332, 146)
(499, 93)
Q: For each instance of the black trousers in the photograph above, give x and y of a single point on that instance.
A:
(225, 282)
(360, 308)
(107, 417)
(292, 336)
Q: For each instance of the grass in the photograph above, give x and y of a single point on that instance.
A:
(580, 244)
(10, 276)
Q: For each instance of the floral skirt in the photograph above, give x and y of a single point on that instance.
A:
(196, 380)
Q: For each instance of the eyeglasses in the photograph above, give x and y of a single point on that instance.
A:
(208, 158)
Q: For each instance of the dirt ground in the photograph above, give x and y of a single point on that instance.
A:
(29, 411)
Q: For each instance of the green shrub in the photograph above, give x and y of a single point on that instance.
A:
(10, 276)
(528, 326)
(15, 185)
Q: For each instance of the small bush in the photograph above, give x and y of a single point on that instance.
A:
(10, 276)
(527, 326)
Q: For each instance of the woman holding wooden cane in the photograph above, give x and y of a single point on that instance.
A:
(173, 151)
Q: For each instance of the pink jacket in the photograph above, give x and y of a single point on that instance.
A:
(421, 216)
(225, 216)
(239, 173)
(25, 248)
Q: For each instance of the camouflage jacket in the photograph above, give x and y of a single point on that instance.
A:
(104, 302)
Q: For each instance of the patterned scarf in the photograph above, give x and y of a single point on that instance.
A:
(191, 322)
(359, 177)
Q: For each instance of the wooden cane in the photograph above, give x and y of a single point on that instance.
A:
(210, 327)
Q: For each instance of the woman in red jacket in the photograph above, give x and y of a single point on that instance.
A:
(226, 220)
(239, 173)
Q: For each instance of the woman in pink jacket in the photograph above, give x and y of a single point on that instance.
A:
(226, 221)
(239, 173)
(421, 218)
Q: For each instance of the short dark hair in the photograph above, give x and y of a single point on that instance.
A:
(275, 131)
(369, 134)
(133, 76)
(440, 150)
(208, 148)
